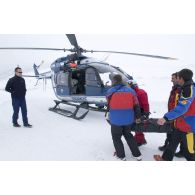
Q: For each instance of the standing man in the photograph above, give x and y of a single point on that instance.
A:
(145, 109)
(17, 87)
(123, 108)
(172, 102)
(184, 118)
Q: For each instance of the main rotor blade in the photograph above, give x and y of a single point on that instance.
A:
(73, 40)
(135, 54)
(33, 48)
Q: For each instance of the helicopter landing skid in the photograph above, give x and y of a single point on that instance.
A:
(68, 113)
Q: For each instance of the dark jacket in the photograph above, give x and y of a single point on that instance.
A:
(184, 112)
(16, 86)
(123, 105)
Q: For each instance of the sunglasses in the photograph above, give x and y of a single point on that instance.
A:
(19, 72)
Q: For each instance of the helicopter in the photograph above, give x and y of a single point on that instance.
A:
(81, 81)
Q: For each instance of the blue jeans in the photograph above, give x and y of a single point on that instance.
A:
(18, 103)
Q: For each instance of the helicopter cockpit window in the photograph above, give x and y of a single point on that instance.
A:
(62, 78)
(106, 73)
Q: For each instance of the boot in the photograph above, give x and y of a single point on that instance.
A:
(140, 138)
(179, 154)
(162, 148)
(115, 155)
(142, 143)
(16, 125)
(28, 125)
(138, 158)
(157, 157)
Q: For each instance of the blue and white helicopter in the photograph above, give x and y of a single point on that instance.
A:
(81, 81)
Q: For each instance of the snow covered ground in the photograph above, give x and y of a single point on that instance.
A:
(54, 137)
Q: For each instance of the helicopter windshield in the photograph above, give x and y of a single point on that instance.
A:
(106, 73)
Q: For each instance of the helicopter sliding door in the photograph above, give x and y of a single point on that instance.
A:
(62, 81)
(93, 85)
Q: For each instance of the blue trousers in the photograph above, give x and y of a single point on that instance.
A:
(18, 103)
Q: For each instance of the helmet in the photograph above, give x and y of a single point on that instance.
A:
(132, 82)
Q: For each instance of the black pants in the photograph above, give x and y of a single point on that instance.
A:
(176, 138)
(168, 139)
(18, 103)
(119, 131)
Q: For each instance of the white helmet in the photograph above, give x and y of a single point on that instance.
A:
(132, 82)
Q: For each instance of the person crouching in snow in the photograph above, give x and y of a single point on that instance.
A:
(145, 109)
(123, 108)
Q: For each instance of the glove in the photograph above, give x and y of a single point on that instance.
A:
(145, 115)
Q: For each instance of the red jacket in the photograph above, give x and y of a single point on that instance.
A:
(174, 97)
(143, 99)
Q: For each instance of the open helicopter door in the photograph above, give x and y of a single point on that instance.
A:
(93, 86)
(63, 84)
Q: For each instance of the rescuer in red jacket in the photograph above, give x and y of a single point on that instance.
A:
(172, 103)
(145, 109)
